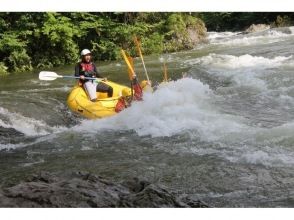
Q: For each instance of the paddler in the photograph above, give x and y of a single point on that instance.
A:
(86, 68)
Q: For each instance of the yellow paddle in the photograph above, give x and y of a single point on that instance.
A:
(131, 71)
(135, 86)
(131, 61)
(141, 56)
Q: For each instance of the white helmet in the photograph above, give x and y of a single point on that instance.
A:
(85, 52)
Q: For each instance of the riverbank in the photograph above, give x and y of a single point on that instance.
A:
(31, 40)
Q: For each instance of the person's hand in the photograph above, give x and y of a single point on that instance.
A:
(82, 77)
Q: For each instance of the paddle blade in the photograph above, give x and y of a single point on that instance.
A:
(47, 75)
(130, 68)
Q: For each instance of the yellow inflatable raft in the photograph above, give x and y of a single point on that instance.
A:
(79, 102)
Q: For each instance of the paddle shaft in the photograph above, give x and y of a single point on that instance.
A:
(77, 77)
(164, 72)
(141, 56)
(144, 68)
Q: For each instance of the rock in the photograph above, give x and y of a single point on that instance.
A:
(87, 190)
(185, 32)
(257, 27)
(7, 132)
(144, 194)
(196, 35)
(9, 136)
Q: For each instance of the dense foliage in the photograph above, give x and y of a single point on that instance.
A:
(38, 40)
(236, 21)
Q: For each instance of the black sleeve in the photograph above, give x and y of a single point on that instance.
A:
(78, 70)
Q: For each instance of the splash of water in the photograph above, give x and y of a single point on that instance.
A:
(231, 62)
(175, 107)
(263, 37)
(244, 70)
(26, 125)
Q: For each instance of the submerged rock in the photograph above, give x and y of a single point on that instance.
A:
(9, 136)
(87, 190)
(7, 132)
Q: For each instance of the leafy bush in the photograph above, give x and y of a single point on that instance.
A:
(20, 61)
(59, 33)
(282, 21)
(13, 53)
(178, 36)
(3, 69)
(45, 40)
(153, 43)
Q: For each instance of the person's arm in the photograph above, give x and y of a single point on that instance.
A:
(79, 73)
(77, 70)
(98, 75)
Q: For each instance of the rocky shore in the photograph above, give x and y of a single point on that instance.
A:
(87, 190)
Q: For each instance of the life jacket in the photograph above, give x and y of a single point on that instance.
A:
(87, 67)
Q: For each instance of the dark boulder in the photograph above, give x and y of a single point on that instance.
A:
(7, 132)
(87, 190)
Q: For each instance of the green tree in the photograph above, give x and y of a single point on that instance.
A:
(41, 40)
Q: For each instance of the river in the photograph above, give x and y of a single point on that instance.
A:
(222, 134)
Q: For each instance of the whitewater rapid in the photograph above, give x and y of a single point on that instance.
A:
(222, 133)
(173, 108)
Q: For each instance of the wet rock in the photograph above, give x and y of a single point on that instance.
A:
(186, 32)
(257, 27)
(10, 136)
(87, 190)
(7, 132)
(145, 194)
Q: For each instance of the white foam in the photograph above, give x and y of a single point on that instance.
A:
(175, 107)
(268, 158)
(225, 61)
(220, 35)
(40, 139)
(264, 37)
(10, 146)
(264, 146)
(243, 70)
(25, 125)
(273, 156)
(276, 134)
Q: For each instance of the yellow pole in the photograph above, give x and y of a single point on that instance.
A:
(164, 72)
(131, 71)
(141, 56)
